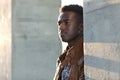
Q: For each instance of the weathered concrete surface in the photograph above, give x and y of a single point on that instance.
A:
(102, 39)
(36, 45)
(5, 39)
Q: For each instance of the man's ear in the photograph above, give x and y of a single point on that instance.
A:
(81, 26)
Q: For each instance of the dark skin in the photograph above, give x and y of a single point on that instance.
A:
(70, 27)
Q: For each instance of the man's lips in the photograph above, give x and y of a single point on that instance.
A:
(63, 33)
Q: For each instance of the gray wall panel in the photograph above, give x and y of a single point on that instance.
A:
(36, 45)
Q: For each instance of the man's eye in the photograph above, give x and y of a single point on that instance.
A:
(66, 22)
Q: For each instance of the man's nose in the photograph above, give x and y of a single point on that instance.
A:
(62, 26)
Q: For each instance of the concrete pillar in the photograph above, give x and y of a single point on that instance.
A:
(102, 39)
(36, 45)
(5, 39)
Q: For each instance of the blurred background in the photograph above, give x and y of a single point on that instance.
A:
(35, 41)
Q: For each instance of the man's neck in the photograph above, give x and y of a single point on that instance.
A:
(72, 42)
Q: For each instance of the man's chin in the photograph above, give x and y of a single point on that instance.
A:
(64, 40)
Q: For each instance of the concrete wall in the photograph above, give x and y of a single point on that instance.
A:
(36, 45)
(5, 39)
(102, 39)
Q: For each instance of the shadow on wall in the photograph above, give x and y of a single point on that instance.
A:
(102, 26)
(102, 21)
(104, 64)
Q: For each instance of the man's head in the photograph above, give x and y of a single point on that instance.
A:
(70, 22)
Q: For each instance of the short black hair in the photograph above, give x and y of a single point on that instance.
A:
(74, 8)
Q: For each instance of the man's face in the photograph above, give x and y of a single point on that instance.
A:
(69, 26)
